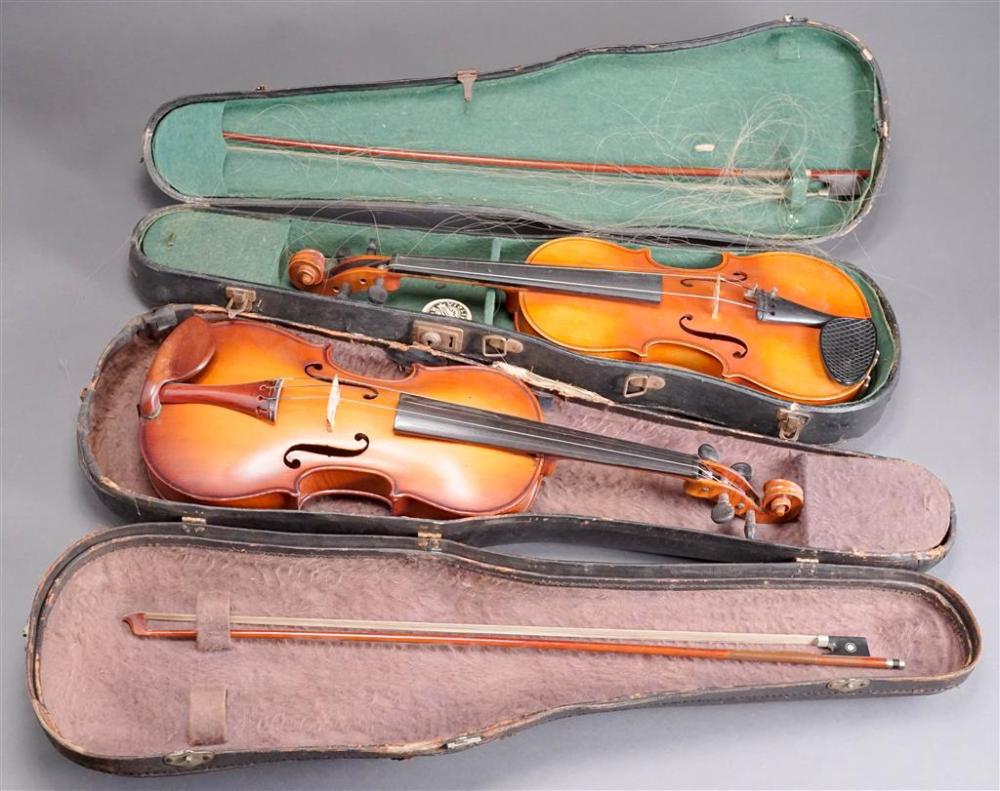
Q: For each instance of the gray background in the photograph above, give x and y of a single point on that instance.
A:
(79, 81)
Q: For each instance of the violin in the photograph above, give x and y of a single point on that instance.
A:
(240, 414)
(787, 324)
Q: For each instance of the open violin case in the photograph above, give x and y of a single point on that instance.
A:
(851, 564)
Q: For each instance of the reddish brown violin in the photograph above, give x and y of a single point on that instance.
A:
(238, 413)
(813, 344)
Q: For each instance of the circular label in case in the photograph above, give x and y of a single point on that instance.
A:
(448, 307)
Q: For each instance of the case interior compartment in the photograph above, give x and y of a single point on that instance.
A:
(873, 509)
(106, 693)
(791, 96)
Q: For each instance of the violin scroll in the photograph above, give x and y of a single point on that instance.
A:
(307, 269)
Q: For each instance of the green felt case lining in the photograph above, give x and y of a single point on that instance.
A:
(256, 249)
(787, 96)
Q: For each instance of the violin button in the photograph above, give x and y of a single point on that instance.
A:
(743, 469)
(723, 511)
(708, 452)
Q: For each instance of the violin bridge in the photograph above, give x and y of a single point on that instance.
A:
(332, 402)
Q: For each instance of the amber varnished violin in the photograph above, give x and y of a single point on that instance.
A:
(788, 324)
(243, 414)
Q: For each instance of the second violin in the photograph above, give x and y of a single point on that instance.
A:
(788, 324)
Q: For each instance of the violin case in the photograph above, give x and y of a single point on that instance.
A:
(787, 94)
(851, 564)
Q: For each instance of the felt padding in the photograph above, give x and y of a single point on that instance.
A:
(110, 693)
(256, 250)
(853, 503)
(783, 97)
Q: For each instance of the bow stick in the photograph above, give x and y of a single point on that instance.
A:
(837, 182)
(840, 651)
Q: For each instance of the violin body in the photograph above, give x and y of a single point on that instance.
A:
(687, 329)
(241, 414)
(202, 453)
(814, 345)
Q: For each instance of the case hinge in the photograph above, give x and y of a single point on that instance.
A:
(241, 300)
(637, 385)
(464, 741)
(429, 540)
(848, 685)
(438, 336)
(467, 77)
(188, 759)
(501, 346)
(791, 421)
(193, 524)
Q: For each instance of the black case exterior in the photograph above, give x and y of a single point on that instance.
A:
(563, 572)
(485, 531)
(684, 393)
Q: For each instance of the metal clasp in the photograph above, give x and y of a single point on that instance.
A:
(848, 685)
(438, 336)
(188, 759)
(501, 346)
(467, 77)
(241, 300)
(791, 421)
(637, 385)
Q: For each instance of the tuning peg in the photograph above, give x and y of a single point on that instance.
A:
(708, 452)
(723, 511)
(750, 525)
(743, 469)
(342, 253)
(344, 292)
(372, 248)
(378, 293)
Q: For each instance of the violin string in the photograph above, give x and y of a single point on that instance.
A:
(462, 275)
(698, 469)
(457, 275)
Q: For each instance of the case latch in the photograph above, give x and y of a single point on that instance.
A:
(501, 346)
(188, 759)
(637, 385)
(791, 421)
(847, 685)
(241, 300)
(438, 336)
(467, 77)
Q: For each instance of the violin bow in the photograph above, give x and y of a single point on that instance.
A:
(837, 651)
(837, 182)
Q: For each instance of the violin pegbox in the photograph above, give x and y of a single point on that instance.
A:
(733, 496)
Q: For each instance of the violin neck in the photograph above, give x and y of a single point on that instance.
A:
(426, 417)
(608, 283)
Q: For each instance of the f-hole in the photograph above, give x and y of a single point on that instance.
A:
(331, 451)
(312, 371)
(734, 278)
(714, 336)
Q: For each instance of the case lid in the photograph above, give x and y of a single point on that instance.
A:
(784, 124)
